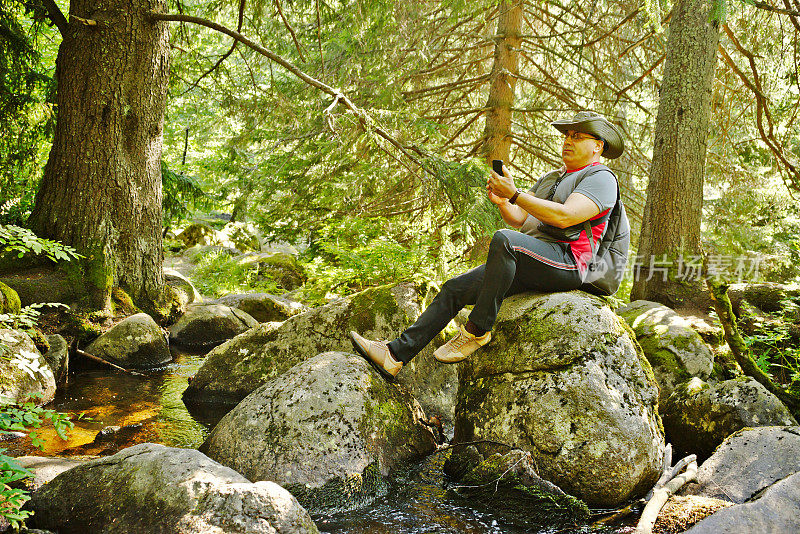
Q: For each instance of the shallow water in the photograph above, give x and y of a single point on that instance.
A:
(418, 500)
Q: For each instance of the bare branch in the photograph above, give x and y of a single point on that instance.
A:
(56, 16)
(291, 31)
(766, 7)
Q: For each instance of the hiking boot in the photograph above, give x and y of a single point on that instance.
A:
(461, 346)
(377, 353)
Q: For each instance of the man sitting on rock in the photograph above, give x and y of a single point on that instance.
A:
(549, 253)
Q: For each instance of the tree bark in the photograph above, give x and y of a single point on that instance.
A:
(101, 191)
(497, 132)
(671, 219)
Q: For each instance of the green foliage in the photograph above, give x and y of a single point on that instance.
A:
(27, 90)
(23, 418)
(776, 351)
(181, 194)
(23, 241)
(219, 273)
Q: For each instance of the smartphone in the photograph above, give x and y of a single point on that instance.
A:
(497, 166)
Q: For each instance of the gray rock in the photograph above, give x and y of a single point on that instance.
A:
(747, 462)
(169, 490)
(262, 306)
(57, 356)
(698, 416)
(136, 342)
(184, 287)
(46, 468)
(24, 374)
(208, 325)
(562, 379)
(329, 430)
(773, 512)
(233, 370)
(674, 349)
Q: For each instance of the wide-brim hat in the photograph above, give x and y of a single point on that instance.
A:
(591, 123)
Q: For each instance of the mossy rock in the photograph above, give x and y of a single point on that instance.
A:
(236, 368)
(674, 349)
(281, 268)
(330, 430)
(562, 379)
(198, 234)
(9, 300)
(17, 383)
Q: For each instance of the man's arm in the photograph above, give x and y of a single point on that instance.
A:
(576, 209)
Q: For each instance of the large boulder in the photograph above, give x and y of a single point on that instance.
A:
(329, 430)
(198, 234)
(232, 371)
(24, 374)
(674, 349)
(263, 307)
(774, 511)
(152, 488)
(747, 462)
(698, 416)
(562, 379)
(208, 325)
(136, 342)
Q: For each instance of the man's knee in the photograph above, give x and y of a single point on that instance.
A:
(500, 241)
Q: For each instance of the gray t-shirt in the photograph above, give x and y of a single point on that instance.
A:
(600, 187)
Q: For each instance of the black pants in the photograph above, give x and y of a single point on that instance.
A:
(516, 262)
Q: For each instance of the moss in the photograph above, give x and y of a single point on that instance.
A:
(366, 306)
(341, 493)
(9, 300)
(283, 269)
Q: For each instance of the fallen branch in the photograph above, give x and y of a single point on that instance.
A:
(669, 483)
(79, 352)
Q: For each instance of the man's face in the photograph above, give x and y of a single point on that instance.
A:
(579, 149)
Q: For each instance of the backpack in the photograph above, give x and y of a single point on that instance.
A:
(607, 268)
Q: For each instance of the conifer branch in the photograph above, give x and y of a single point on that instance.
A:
(363, 117)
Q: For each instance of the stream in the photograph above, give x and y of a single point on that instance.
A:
(150, 409)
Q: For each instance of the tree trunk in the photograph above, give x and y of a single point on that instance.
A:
(101, 191)
(671, 220)
(497, 132)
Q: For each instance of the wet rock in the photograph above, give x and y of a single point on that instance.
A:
(562, 380)
(674, 349)
(698, 416)
(24, 374)
(329, 430)
(775, 510)
(747, 462)
(56, 357)
(208, 325)
(233, 370)
(184, 289)
(136, 342)
(263, 307)
(172, 490)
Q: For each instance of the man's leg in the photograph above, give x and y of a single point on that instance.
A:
(518, 262)
(455, 294)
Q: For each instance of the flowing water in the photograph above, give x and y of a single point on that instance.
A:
(150, 409)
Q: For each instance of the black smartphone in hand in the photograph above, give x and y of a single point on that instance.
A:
(497, 166)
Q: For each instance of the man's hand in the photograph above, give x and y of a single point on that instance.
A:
(500, 186)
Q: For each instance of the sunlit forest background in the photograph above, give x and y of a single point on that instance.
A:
(244, 137)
